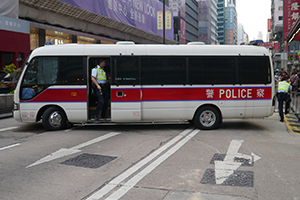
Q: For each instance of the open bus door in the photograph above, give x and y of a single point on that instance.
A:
(125, 89)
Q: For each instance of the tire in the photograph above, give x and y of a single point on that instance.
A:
(207, 118)
(54, 119)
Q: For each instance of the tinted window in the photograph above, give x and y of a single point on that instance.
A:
(212, 70)
(163, 70)
(126, 70)
(55, 70)
(45, 71)
(254, 70)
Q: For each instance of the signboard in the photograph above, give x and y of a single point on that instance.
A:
(168, 22)
(175, 7)
(182, 32)
(15, 25)
(269, 25)
(141, 14)
(277, 46)
(290, 15)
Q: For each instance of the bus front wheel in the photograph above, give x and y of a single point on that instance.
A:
(207, 118)
(54, 119)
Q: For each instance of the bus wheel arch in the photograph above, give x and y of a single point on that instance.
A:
(54, 118)
(207, 117)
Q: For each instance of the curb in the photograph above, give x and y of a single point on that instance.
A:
(292, 123)
(6, 115)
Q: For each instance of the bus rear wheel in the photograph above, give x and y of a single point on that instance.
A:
(207, 118)
(54, 119)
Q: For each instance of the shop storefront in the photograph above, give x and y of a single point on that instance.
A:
(14, 41)
(41, 33)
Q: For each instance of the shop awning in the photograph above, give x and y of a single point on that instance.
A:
(294, 34)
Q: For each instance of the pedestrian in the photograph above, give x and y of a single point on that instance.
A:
(283, 96)
(283, 75)
(294, 79)
(277, 76)
(101, 89)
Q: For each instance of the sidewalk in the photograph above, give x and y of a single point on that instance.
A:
(293, 118)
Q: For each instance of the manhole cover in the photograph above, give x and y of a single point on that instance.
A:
(89, 160)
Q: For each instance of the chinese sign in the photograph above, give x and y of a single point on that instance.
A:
(168, 17)
(12, 24)
(141, 14)
(174, 6)
(291, 14)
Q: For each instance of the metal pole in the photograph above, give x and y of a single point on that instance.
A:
(164, 23)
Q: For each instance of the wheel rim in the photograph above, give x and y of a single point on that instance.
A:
(207, 118)
(55, 119)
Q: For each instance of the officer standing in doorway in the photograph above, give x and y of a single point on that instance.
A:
(283, 96)
(101, 89)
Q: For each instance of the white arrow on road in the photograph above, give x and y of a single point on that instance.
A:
(66, 152)
(223, 169)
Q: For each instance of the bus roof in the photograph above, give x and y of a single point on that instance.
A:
(128, 48)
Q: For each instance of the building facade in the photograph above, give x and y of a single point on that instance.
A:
(191, 19)
(14, 35)
(208, 29)
(221, 21)
(241, 34)
(277, 21)
(185, 16)
(231, 23)
(74, 21)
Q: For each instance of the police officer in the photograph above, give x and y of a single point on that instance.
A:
(283, 95)
(101, 89)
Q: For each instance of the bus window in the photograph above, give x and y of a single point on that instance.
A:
(45, 71)
(254, 70)
(163, 70)
(212, 70)
(126, 71)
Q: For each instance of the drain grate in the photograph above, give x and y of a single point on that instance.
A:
(89, 160)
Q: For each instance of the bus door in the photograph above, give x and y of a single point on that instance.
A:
(125, 89)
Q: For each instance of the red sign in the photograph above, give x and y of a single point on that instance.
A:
(291, 13)
(277, 46)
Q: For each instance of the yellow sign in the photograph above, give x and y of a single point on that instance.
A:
(168, 22)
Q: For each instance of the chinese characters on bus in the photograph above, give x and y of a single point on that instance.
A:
(235, 93)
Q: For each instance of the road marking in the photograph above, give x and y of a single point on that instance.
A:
(133, 181)
(8, 128)
(116, 181)
(66, 152)
(11, 146)
(223, 169)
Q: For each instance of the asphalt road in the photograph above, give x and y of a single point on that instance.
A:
(243, 159)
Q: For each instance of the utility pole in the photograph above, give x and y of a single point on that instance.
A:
(164, 23)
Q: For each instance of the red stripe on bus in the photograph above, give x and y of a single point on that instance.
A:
(191, 94)
(61, 95)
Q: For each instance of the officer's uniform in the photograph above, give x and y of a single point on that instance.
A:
(283, 95)
(102, 96)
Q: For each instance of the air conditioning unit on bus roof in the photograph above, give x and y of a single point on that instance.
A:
(125, 43)
(195, 43)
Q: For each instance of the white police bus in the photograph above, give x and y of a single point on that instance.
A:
(149, 83)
